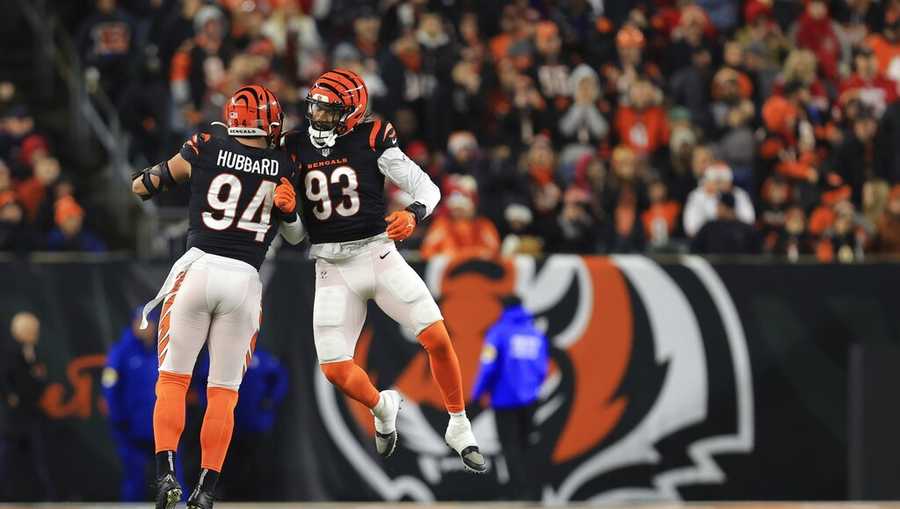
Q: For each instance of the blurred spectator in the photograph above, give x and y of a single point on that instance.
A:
(703, 203)
(15, 234)
(625, 197)
(70, 234)
(632, 66)
(692, 32)
(793, 240)
(661, 217)
(641, 122)
(520, 238)
(816, 31)
(726, 234)
(866, 83)
(514, 363)
(854, 158)
(888, 240)
(198, 67)
(733, 114)
(690, 87)
(773, 211)
(844, 238)
(23, 377)
(579, 223)
(460, 232)
(550, 71)
(106, 45)
(129, 383)
(583, 123)
(887, 144)
(886, 45)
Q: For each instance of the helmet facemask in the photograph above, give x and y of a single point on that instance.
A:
(325, 120)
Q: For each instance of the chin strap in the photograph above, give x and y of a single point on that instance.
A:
(322, 139)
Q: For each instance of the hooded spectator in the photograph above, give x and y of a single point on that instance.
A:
(702, 204)
(583, 123)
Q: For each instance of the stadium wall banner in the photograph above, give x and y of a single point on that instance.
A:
(669, 380)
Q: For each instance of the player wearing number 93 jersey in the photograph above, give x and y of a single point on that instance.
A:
(343, 159)
(241, 196)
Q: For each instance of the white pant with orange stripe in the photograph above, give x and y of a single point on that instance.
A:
(217, 299)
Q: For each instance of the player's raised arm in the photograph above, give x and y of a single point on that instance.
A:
(408, 176)
(148, 182)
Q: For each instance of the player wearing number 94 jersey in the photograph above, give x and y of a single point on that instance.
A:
(343, 159)
(241, 196)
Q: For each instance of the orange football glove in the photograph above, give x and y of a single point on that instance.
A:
(401, 224)
(285, 196)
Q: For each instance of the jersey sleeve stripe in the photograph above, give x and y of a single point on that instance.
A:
(376, 126)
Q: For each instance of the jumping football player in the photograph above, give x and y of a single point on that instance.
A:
(343, 159)
(213, 292)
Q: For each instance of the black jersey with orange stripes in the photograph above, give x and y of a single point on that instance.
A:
(232, 194)
(341, 189)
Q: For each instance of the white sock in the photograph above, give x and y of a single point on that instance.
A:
(458, 417)
(380, 406)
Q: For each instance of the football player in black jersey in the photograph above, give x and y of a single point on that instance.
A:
(343, 159)
(213, 292)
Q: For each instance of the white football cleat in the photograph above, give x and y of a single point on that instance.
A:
(460, 438)
(386, 423)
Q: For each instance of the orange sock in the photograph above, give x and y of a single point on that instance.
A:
(218, 424)
(444, 365)
(168, 413)
(352, 380)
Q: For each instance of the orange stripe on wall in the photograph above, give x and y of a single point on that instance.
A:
(599, 360)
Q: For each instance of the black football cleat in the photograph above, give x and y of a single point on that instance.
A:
(168, 492)
(200, 499)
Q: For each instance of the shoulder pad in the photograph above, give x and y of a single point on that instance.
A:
(382, 135)
(217, 129)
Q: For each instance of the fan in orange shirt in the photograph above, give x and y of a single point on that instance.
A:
(641, 124)
(459, 232)
(886, 45)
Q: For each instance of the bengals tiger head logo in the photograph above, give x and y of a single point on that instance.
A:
(627, 410)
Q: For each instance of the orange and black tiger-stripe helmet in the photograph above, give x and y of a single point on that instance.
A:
(254, 111)
(343, 92)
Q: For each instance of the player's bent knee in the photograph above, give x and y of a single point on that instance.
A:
(435, 339)
(424, 314)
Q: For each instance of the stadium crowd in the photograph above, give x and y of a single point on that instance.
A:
(580, 126)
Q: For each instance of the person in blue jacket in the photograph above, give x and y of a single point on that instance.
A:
(263, 388)
(129, 381)
(514, 363)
